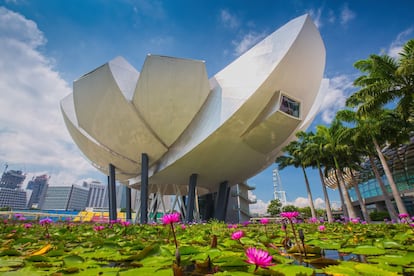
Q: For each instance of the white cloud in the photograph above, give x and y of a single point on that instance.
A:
(346, 15)
(335, 97)
(246, 42)
(32, 131)
(229, 20)
(397, 45)
(331, 16)
(316, 16)
(259, 208)
(301, 202)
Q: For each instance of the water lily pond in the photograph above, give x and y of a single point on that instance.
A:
(214, 248)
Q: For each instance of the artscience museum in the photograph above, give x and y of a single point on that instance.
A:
(172, 130)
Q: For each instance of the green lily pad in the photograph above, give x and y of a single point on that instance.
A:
(10, 252)
(11, 264)
(293, 270)
(368, 250)
(402, 260)
(73, 260)
(187, 250)
(38, 258)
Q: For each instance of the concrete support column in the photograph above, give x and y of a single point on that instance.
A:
(112, 193)
(191, 198)
(144, 189)
(209, 207)
(221, 201)
(128, 203)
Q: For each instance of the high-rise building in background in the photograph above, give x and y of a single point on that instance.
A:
(12, 179)
(98, 194)
(67, 198)
(38, 186)
(11, 195)
(12, 198)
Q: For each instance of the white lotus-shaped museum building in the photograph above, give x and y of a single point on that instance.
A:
(223, 129)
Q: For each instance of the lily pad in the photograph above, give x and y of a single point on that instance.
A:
(368, 250)
(73, 260)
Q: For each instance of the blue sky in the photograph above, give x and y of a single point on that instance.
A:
(46, 44)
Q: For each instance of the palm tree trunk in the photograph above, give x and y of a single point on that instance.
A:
(310, 199)
(325, 194)
(341, 195)
(394, 189)
(348, 202)
(360, 199)
(387, 200)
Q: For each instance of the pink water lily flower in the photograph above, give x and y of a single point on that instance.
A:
(98, 228)
(264, 221)
(322, 228)
(289, 215)
(45, 221)
(403, 215)
(27, 225)
(237, 235)
(258, 257)
(171, 218)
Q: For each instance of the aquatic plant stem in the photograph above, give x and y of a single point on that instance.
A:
(296, 237)
(173, 232)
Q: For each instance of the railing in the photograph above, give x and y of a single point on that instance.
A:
(37, 215)
(271, 219)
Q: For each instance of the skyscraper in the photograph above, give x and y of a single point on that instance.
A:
(12, 179)
(38, 185)
(98, 194)
(71, 197)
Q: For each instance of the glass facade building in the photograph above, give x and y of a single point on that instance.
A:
(401, 163)
(65, 198)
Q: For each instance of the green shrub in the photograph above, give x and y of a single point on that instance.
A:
(379, 216)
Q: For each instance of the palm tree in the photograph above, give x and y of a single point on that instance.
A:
(314, 152)
(387, 80)
(296, 158)
(334, 146)
(364, 135)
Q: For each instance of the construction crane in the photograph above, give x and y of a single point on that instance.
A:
(278, 192)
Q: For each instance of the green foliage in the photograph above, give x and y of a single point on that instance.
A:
(379, 216)
(290, 208)
(150, 250)
(274, 207)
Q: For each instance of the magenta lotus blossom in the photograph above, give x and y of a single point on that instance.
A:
(354, 220)
(264, 221)
(258, 257)
(289, 215)
(231, 226)
(98, 228)
(322, 228)
(170, 218)
(313, 220)
(27, 225)
(45, 221)
(403, 215)
(237, 235)
(125, 223)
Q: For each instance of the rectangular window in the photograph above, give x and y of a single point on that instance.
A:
(289, 106)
